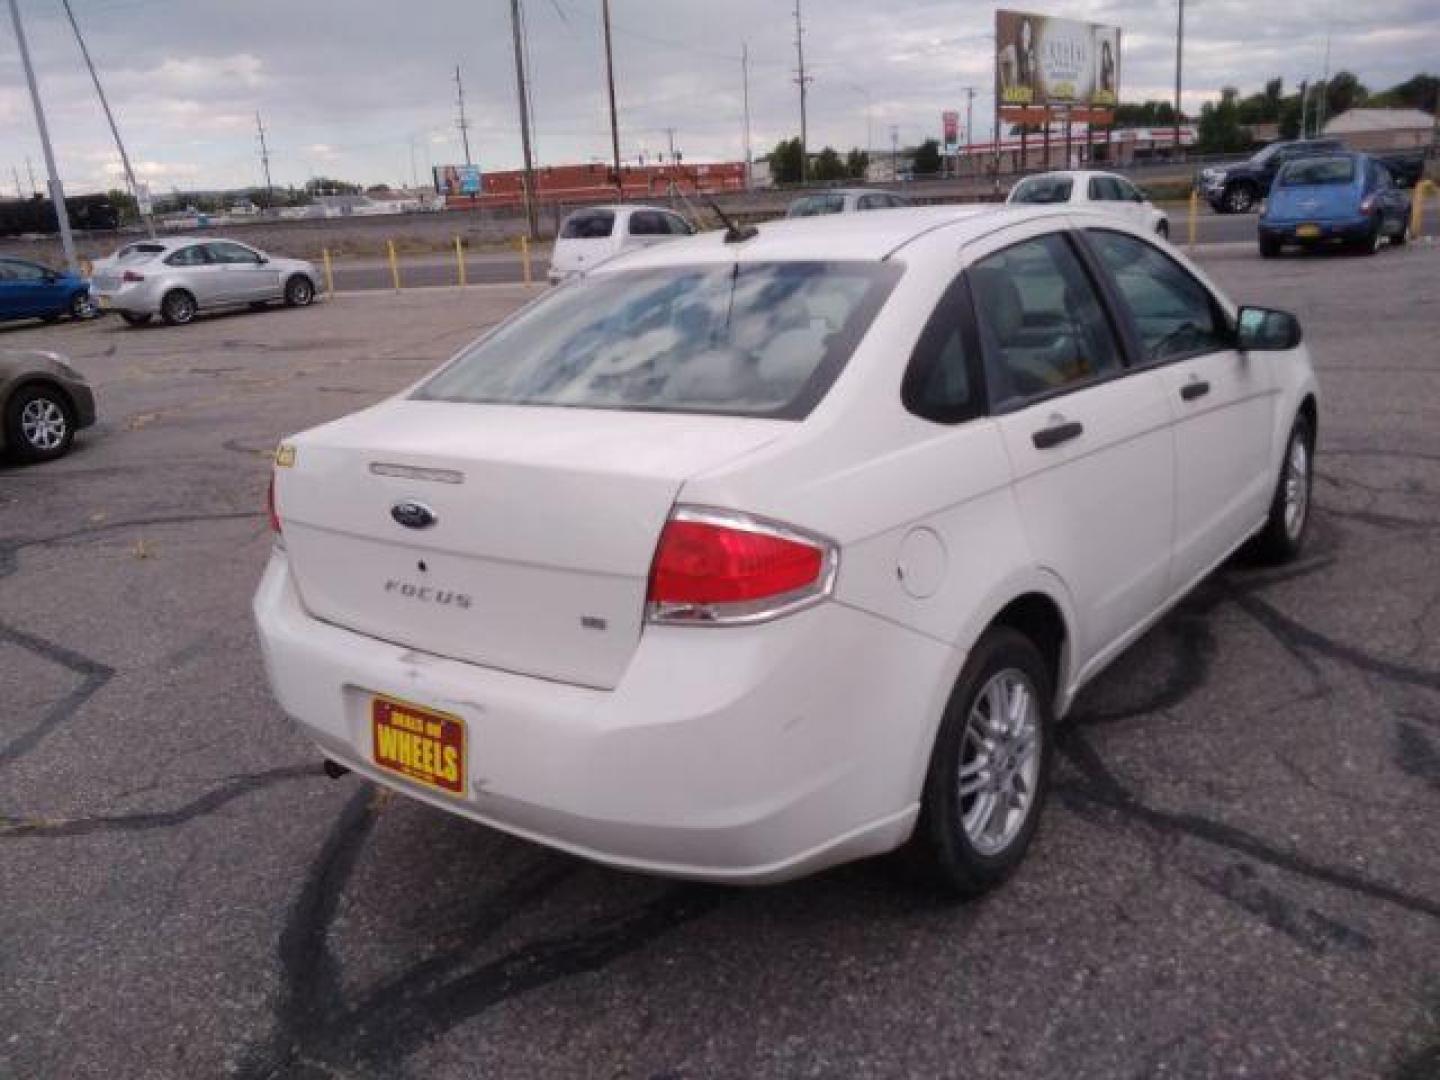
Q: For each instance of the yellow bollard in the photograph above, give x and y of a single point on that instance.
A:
(394, 266)
(329, 274)
(1194, 214)
(459, 261)
(1417, 205)
(525, 255)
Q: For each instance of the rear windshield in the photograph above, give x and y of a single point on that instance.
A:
(139, 251)
(816, 206)
(763, 339)
(1318, 171)
(1043, 189)
(588, 225)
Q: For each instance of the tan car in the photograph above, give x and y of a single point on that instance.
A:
(43, 402)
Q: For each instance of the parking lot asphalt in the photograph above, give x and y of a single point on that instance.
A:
(1238, 874)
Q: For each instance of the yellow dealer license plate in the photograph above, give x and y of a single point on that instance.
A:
(418, 743)
(1308, 232)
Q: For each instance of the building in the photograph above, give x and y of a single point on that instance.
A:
(595, 183)
(1383, 129)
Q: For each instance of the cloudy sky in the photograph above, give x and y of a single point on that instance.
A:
(361, 89)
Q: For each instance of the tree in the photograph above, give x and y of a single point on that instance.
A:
(1344, 92)
(827, 167)
(125, 205)
(378, 189)
(1219, 130)
(1416, 92)
(324, 185)
(926, 158)
(785, 162)
(1147, 114)
(857, 164)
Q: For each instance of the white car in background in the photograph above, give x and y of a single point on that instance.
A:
(1089, 190)
(844, 201)
(596, 234)
(761, 551)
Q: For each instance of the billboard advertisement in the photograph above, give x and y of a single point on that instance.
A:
(457, 179)
(950, 124)
(1040, 60)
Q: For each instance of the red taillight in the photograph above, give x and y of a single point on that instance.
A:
(270, 506)
(132, 275)
(719, 567)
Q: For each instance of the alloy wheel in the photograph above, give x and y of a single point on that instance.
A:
(1000, 762)
(43, 424)
(1297, 487)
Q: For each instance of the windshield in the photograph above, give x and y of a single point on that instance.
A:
(1338, 170)
(588, 225)
(765, 339)
(816, 205)
(1042, 189)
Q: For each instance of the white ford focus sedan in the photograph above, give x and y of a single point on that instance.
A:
(750, 554)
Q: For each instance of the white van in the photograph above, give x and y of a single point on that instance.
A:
(590, 236)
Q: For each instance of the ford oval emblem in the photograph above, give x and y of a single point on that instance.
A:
(413, 515)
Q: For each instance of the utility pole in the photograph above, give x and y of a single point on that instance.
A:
(110, 118)
(894, 153)
(57, 191)
(969, 120)
(1322, 107)
(610, 83)
(30, 168)
(802, 79)
(19, 194)
(745, 84)
(414, 173)
(265, 159)
(1179, 54)
(529, 182)
(462, 123)
(1304, 106)
(670, 137)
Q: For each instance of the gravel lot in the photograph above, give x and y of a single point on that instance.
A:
(1238, 875)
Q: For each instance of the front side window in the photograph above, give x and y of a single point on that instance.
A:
(588, 225)
(1104, 189)
(761, 339)
(1174, 314)
(1041, 325)
(23, 271)
(816, 206)
(1043, 189)
(678, 225)
(1319, 170)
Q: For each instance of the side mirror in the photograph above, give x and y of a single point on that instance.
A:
(1264, 330)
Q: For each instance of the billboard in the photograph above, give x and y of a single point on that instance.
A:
(457, 179)
(950, 125)
(1040, 60)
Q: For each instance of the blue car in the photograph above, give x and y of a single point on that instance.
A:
(31, 291)
(1338, 198)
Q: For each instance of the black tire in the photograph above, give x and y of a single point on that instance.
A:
(299, 291)
(82, 306)
(1239, 198)
(1369, 245)
(177, 308)
(1402, 236)
(942, 848)
(1283, 537)
(39, 423)
(1162, 230)
(1269, 247)
(133, 318)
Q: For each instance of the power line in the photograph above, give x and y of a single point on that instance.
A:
(130, 180)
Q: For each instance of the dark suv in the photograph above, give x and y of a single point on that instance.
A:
(1237, 189)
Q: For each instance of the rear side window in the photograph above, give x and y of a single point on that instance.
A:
(648, 223)
(194, 255)
(816, 205)
(588, 225)
(758, 339)
(1041, 325)
(1043, 189)
(138, 252)
(1105, 189)
(1173, 312)
(941, 383)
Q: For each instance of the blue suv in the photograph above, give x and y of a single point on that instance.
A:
(1339, 198)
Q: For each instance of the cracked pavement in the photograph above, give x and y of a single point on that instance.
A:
(1237, 874)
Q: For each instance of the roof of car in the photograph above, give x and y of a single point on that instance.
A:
(837, 236)
(621, 208)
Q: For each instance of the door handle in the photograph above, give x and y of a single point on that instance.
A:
(1192, 390)
(1057, 434)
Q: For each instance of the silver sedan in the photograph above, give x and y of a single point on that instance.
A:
(180, 277)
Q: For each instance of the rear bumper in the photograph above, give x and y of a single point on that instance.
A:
(741, 755)
(1286, 232)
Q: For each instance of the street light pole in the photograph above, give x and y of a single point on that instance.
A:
(1179, 53)
(57, 191)
(610, 83)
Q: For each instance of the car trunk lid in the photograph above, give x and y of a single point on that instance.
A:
(545, 522)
